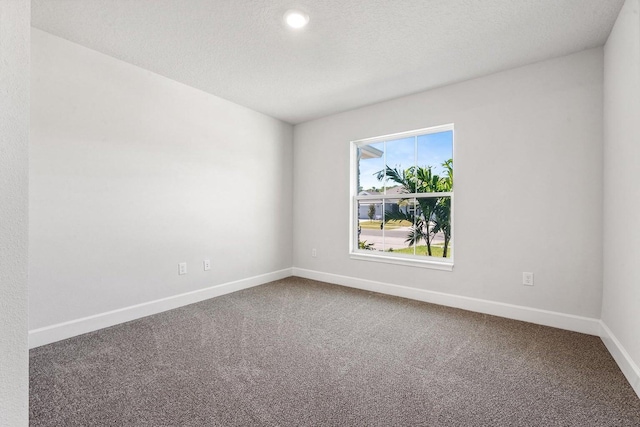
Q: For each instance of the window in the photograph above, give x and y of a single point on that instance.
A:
(402, 198)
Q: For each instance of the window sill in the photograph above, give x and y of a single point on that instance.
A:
(430, 263)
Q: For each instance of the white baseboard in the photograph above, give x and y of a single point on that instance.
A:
(60, 331)
(622, 358)
(585, 325)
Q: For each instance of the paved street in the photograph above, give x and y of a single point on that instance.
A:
(394, 238)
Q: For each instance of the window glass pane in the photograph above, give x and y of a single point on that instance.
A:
(434, 172)
(370, 162)
(400, 156)
(398, 223)
(369, 225)
(433, 227)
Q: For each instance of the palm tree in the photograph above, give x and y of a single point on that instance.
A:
(434, 213)
(415, 180)
(443, 208)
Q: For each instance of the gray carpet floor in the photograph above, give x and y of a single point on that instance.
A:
(298, 352)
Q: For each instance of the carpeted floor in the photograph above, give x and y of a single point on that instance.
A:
(298, 352)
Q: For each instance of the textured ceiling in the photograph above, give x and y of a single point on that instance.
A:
(352, 53)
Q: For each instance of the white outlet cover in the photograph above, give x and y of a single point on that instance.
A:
(206, 264)
(527, 279)
(182, 268)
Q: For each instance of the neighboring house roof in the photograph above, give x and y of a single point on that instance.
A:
(369, 152)
(390, 191)
(396, 190)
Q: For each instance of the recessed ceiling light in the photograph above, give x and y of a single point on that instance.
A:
(296, 19)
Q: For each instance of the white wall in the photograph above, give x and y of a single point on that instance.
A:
(132, 173)
(14, 179)
(528, 189)
(621, 298)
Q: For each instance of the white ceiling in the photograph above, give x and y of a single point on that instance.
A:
(352, 53)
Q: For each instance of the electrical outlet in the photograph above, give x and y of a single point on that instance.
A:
(182, 268)
(314, 253)
(206, 264)
(527, 279)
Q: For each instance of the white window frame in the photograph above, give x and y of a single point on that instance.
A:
(437, 263)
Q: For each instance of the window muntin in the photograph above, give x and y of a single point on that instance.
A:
(402, 190)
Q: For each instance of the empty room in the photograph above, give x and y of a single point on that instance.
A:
(239, 213)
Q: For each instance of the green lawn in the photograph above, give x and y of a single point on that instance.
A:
(389, 225)
(422, 250)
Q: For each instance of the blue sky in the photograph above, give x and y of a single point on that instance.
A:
(432, 150)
